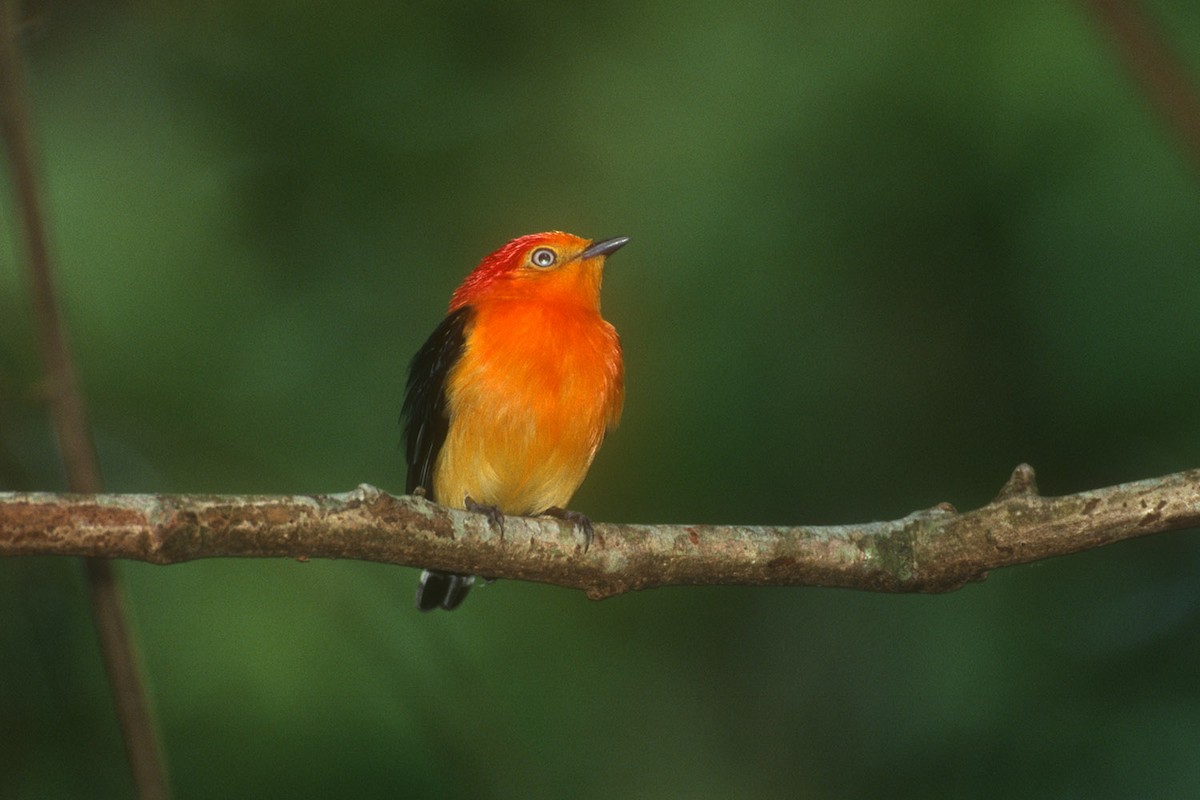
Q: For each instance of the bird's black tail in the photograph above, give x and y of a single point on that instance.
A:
(442, 590)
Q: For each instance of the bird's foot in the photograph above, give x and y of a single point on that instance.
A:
(581, 521)
(494, 517)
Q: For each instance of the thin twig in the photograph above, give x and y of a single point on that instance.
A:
(69, 415)
(935, 550)
(1156, 68)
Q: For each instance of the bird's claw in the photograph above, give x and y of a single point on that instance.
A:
(581, 521)
(494, 517)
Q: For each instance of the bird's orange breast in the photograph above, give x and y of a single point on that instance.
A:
(529, 402)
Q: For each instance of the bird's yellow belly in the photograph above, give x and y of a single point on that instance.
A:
(504, 463)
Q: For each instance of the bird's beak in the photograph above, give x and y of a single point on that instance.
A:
(604, 247)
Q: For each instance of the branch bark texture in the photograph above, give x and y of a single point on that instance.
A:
(933, 550)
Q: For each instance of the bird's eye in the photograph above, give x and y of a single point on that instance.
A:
(543, 257)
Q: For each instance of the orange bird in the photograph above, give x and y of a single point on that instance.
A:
(511, 396)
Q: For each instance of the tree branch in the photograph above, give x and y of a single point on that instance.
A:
(934, 550)
(68, 412)
(1158, 70)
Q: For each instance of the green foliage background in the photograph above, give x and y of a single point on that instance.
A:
(882, 252)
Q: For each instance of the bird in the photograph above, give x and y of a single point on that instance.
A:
(510, 397)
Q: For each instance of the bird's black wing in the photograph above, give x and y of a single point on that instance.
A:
(426, 421)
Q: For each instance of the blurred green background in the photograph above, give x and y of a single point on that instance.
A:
(882, 253)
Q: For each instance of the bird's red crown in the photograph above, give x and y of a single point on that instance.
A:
(508, 260)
